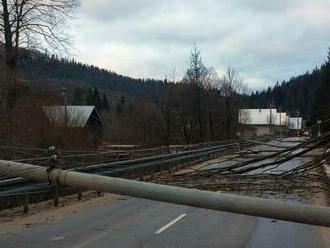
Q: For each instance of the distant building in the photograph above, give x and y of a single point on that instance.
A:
(282, 119)
(83, 122)
(73, 116)
(256, 122)
(295, 123)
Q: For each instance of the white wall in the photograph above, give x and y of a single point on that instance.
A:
(258, 116)
(295, 122)
(281, 119)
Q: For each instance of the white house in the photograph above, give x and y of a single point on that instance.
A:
(295, 123)
(255, 122)
(257, 116)
(282, 119)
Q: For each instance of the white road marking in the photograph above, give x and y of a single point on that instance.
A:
(162, 229)
(57, 238)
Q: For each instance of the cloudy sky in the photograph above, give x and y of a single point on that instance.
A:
(264, 40)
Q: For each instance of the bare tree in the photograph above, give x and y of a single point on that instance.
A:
(172, 75)
(231, 86)
(167, 105)
(196, 75)
(34, 24)
(212, 81)
(147, 122)
(184, 108)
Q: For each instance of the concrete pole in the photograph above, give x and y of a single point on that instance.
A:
(295, 212)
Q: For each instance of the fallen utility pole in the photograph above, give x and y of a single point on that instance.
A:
(20, 185)
(307, 214)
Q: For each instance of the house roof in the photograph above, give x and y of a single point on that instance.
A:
(70, 116)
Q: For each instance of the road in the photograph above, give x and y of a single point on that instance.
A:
(137, 223)
(142, 223)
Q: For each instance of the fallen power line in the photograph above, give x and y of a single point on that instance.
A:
(301, 213)
(114, 168)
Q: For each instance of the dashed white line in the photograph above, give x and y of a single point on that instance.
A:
(162, 229)
(57, 238)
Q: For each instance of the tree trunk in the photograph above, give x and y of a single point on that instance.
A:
(211, 125)
(199, 115)
(228, 117)
(168, 131)
(11, 57)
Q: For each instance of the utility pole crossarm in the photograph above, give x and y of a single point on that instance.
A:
(295, 212)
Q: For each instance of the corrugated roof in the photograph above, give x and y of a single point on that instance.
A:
(70, 116)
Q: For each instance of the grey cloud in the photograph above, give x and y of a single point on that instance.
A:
(266, 41)
(263, 5)
(114, 10)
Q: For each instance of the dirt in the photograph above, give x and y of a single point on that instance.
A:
(300, 189)
(13, 220)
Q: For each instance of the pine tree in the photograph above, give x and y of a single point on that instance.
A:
(77, 96)
(121, 105)
(105, 103)
(97, 99)
(196, 75)
(90, 97)
(322, 100)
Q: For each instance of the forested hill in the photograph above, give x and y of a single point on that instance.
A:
(50, 71)
(298, 93)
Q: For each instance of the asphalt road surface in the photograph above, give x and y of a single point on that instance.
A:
(143, 223)
(137, 223)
